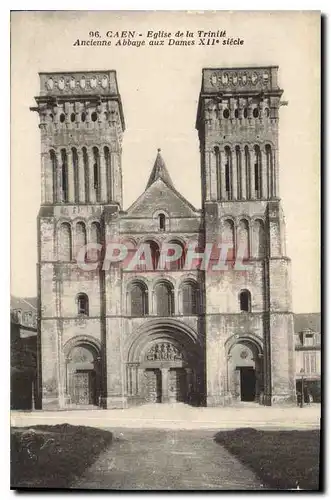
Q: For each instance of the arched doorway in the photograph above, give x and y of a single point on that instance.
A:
(165, 365)
(245, 370)
(83, 375)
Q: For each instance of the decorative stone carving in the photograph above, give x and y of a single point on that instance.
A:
(164, 352)
(233, 78)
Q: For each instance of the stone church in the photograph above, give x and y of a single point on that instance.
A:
(194, 332)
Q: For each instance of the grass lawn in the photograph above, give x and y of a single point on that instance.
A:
(52, 456)
(281, 459)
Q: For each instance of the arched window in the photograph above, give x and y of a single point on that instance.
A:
(64, 173)
(247, 169)
(162, 220)
(176, 265)
(108, 173)
(72, 117)
(75, 167)
(83, 117)
(62, 117)
(189, 298)
(96, 172)
(86, 176)
(257, 172)
(164, 299)
(259, 243)
(270, 170)
(228, 237)
(80, 236)
(218, 171)
(138, 299)
(245, 301)
(155, 253)
(95, 237)
(236, 113)
(243, 240)
(256, 112)
(52, 157)
(245, 113)
(94, 116)
(82, 304)
(226, 113)
(238, 167)
(65, 242)
(228, 173)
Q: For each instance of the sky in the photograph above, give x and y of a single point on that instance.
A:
(159, 86)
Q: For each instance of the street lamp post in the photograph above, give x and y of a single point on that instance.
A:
(301, 402)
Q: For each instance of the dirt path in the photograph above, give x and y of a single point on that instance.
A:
(167, 460)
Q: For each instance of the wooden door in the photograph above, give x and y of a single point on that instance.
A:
(177, 385)
(82, 388)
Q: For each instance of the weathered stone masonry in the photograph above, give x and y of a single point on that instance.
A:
(119, 337)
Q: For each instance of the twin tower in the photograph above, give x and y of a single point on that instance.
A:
(81, 126)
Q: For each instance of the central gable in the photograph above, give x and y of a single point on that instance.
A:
(160, 196)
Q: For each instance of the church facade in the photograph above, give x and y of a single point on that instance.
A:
(170, 303)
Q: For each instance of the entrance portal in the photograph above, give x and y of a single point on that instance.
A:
(153, 385)
(247, 383)
(83, 378)
(178, 385)
(245, 374)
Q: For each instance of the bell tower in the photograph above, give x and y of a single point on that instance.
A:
(81, 126)
(237, 123)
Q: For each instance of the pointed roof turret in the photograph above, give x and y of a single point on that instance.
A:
(159, 171)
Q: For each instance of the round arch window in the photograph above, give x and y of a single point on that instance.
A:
(62, 117)
(73, 117)
(256, 112)
(226, 113)
(94, 116)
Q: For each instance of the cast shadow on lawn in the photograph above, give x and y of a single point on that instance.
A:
(53, 456)
(283, 460)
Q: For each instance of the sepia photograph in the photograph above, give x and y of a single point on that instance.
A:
(165, 326)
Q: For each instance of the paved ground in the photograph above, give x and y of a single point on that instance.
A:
(167, 460)
(180, 416)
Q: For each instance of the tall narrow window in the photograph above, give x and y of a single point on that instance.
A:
(65, 242)
(270, 172)
(80, 237)
(96, 168)
(164, 299)
(76, 176)
(259, 243)
(138, 300)
(257, 172)
(228, 238)
(228, 172)
(52, 157)
(243, 240)
(82, 304)
(176, 265)
(162, 222)
(109, 174)
(247, 169)
(190, 298)
(64, 172)
(86, 176)
(218, 171)
(238, 167)
(245, 301)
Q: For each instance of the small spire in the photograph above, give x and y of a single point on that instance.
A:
(159, 171)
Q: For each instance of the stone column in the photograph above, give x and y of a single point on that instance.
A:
(242, 174)
(58, 177)
(103, 178)
(71, 177)
(234, 180)
(81, 177)
(92, 193)
(252, 173)
(165, 385)
(264, 175)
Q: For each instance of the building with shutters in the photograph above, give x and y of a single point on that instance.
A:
(189, 330)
